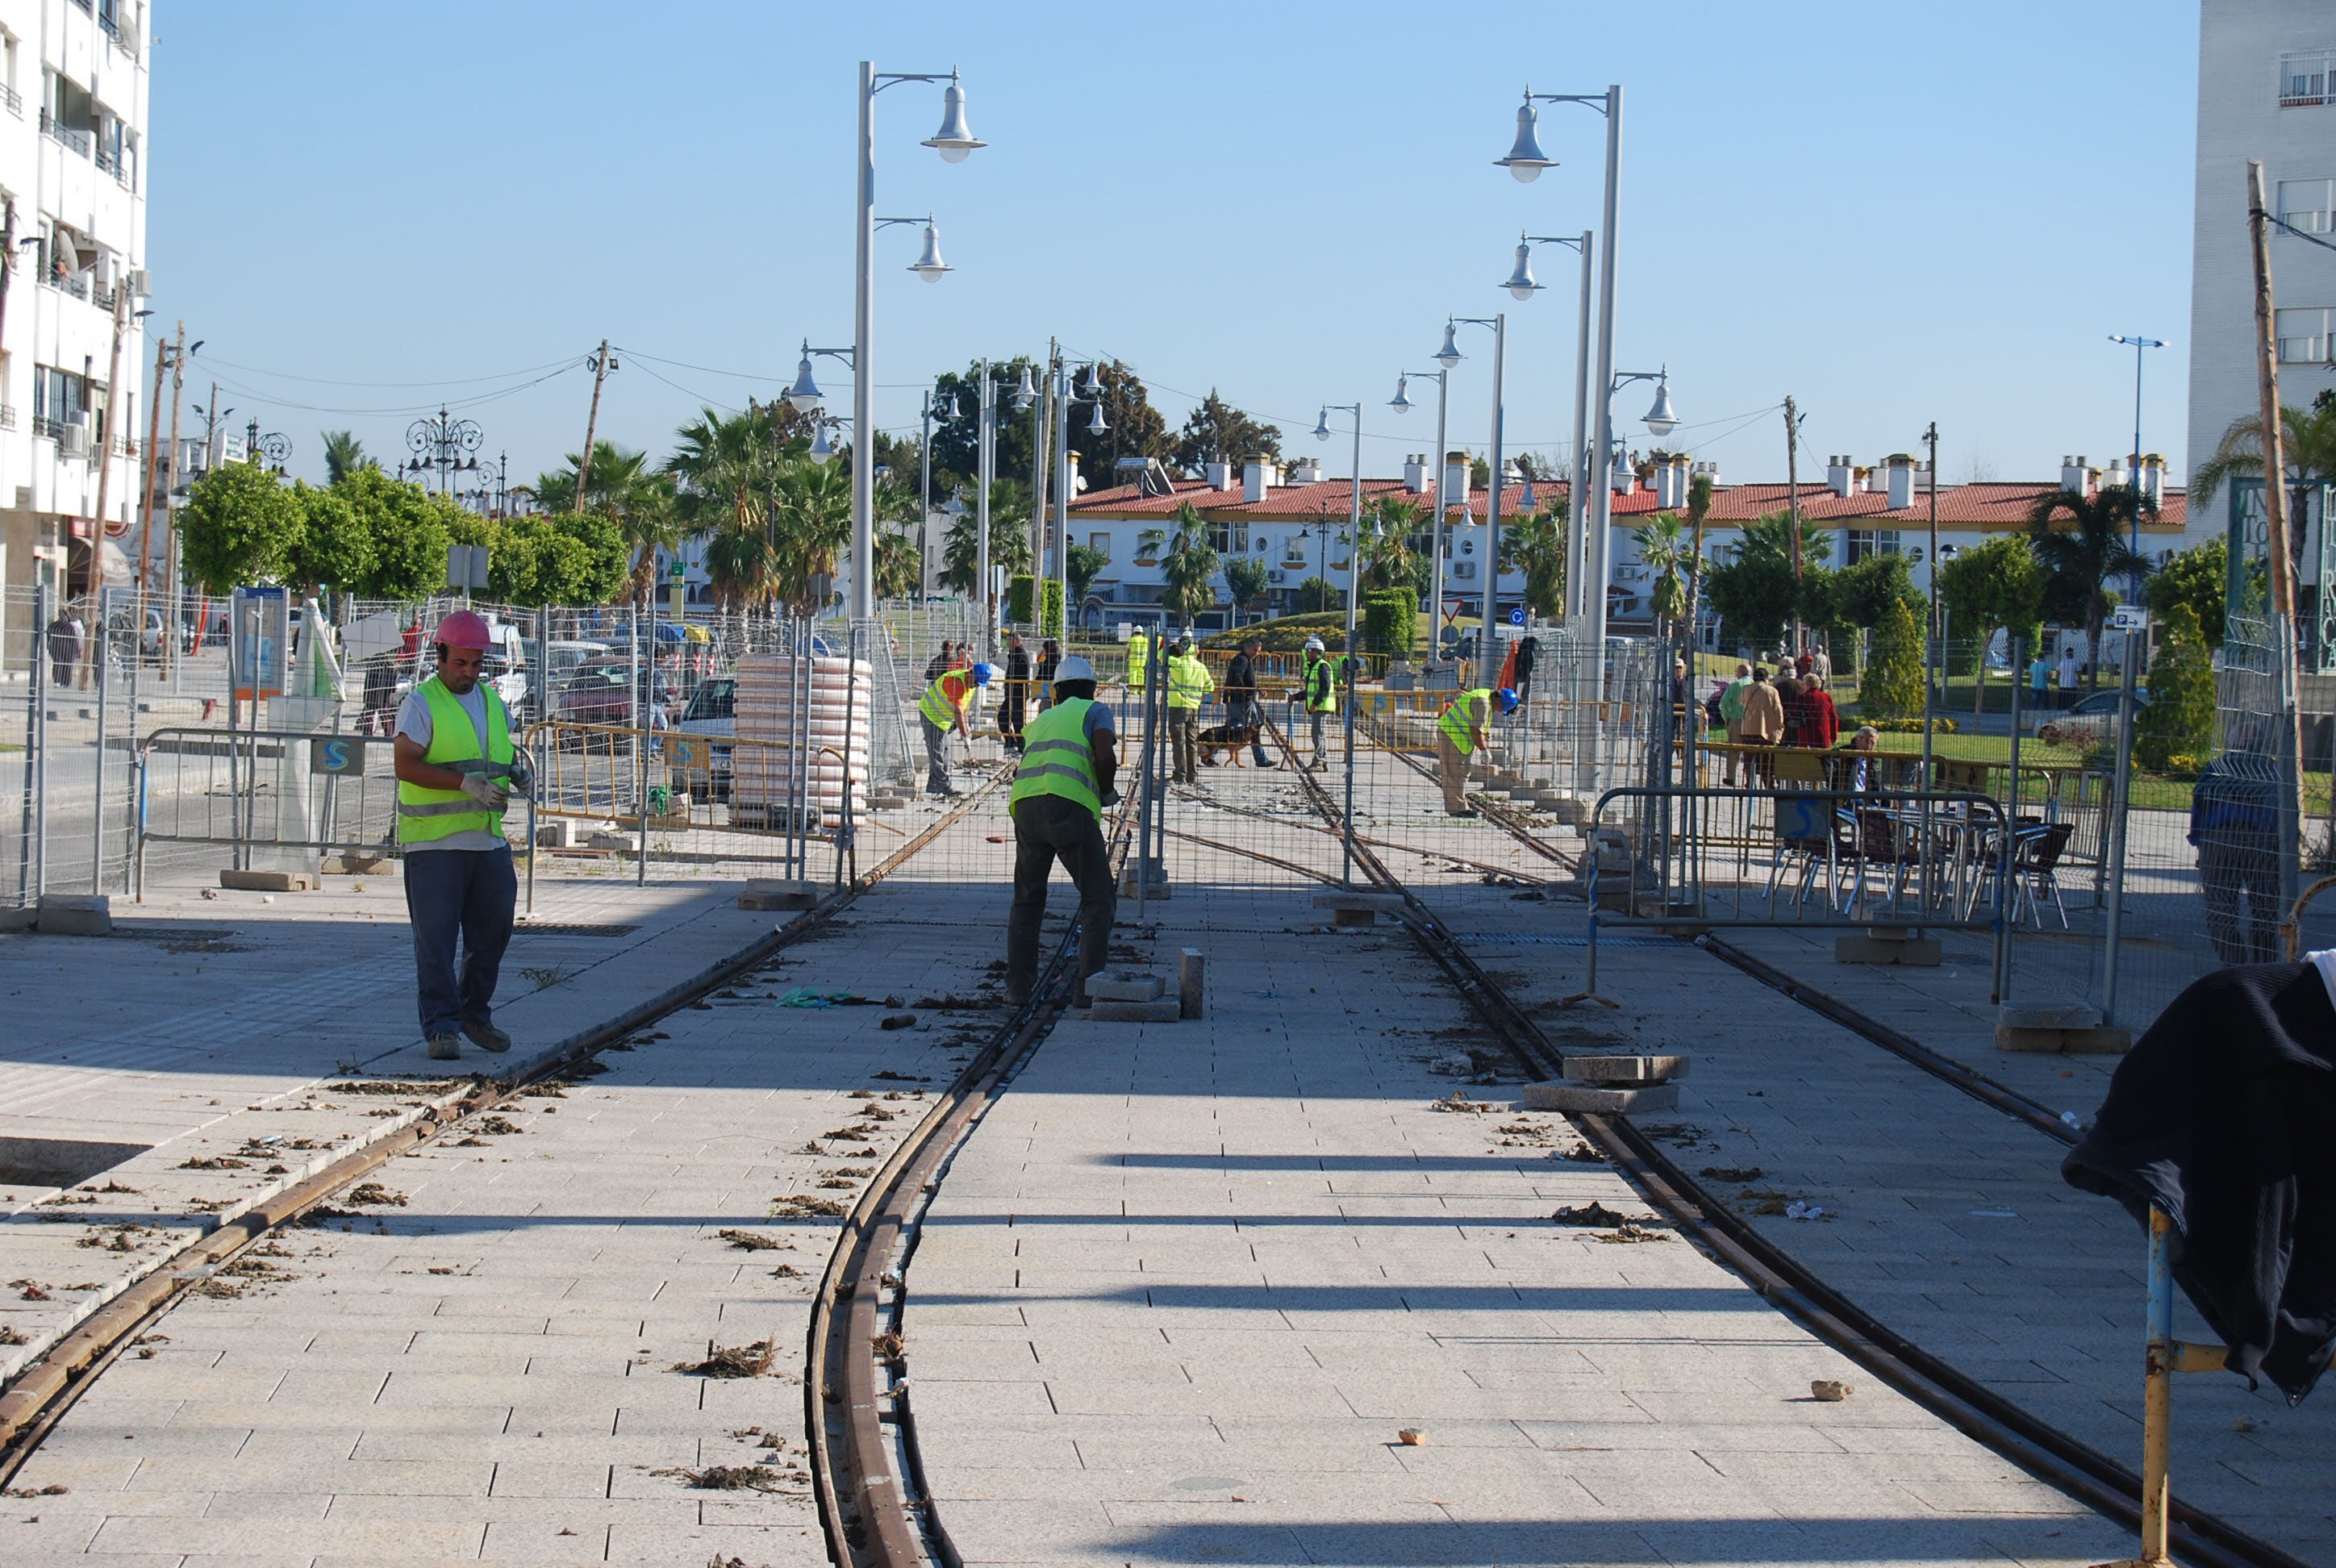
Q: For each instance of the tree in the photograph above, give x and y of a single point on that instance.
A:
(1391, 622)
(1217, 432)
(1995, 586)
(1699, 490)
(2197, 578)
(2180, 718)
(957, 442)
(2307, 446)
(898, 566)
(1081, 566)
(239, 528)
(1010, 537)
(597, 575)
(1133, 427)
(1190, 566)
(336, 548)
(1391, 558)
(1662, 551)
(1315, 595)
(622, 486)
(1535, 545)
(1247, 577)
(1894, 688)
(1753, 590)
(1865, 593)
(2081, 551)
(811, 524)
(405, 528)
(344, 456)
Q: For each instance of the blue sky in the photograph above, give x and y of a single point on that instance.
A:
(1896, 213)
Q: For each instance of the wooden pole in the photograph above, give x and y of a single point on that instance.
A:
(105, 441)
(169, 518)
(591, 425)
(146, 507)
(1793, 509)
(2282, 566)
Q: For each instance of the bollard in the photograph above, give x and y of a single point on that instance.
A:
(1191, 988)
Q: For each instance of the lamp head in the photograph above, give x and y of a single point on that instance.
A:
(930, 266)
(1520, 284)
(1401, 401)
(1659, 418)
(1449, 355)
(1322, 426)
(804, 394)
(1024, 395)
(820, 448)
(1095, 425)
(953, 140)
(1525, 159)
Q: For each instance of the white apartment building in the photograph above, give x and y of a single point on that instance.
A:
(2267, 90)
(73, 165)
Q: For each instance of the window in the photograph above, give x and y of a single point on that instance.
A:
(2307, 76)
(1101, 544)
(1863, 542)
(2304, 336)
(2308, 204)
(58, 400)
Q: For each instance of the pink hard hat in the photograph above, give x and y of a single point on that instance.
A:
(464, 629)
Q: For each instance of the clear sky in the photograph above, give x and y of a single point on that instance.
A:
(1897, 213)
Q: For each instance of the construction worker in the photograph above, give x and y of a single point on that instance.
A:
(1319, 692)
(1139, 650)
(1057, 801)
(1189, 685)
(1460, 733)
(456, 769)
(941, 711)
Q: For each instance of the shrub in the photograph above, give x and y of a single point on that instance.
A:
(2180, 718)
(1894, 687)
(1050, 609)
(1914, 725)
(1021, 590)
(1390, 623)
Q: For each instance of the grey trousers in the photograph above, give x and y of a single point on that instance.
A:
(936, 758)
(1047, 828)
(467, 893)
(1183, 738)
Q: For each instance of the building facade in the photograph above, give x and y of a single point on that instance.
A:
(73, 172)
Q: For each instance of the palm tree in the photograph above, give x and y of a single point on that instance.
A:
(344, 456)
(2307, 447)
(1387, 535)
(1190, 566)
(1663, 549)
(1535, 545)
(811, 524)
(1010, 537)
(2081, 541)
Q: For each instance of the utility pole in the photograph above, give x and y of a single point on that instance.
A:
(2283, 565)
(984, 462)
(105, 439)
(925, 498)
(170, 489)
(146, 508)
(1793, 508)
(601, 365)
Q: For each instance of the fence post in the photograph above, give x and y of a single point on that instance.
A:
(32, 870)
(644, 699)
(103, 639)
(2114, 858)
(1346, 836)
(2009, 825)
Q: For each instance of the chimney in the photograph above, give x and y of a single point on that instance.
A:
(1306, 471)
(2153, 479)
(1257, 476)
(1220, 476)
(1671, 477)
(2075, 476)
(1414, 474)
(2116, 474)
(1709, 470)
(1455, 479)
(1898, 479)
(1838, 476)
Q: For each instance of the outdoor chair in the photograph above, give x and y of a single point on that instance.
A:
(2035, 869)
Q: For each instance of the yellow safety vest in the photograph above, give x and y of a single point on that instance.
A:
(1189, 681)
(1058, 759)
(1321, 691)
(1467, 712)
(1138, 648)
(939, 705)
(424, 814)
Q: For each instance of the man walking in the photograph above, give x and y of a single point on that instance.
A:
(1189, 685)
(2040, 678)
(1056, 802)
(1014, 711)
(455, 769)
(2069, 671)
(941, 710)
(1763, 725)
(64, 645)
(1318, 691)
(1242, 706)
(1731, 714)
(1461, 732)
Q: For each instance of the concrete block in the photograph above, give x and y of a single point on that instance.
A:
(2048, 1016)
(19, 919)
(1571, 811)
(1625, 1070)
(1859, 948)
(2101, 1041)
(256, 881)
(1125, 986)
(75, 915)
(629, 843)
(1166, 1010)
(1606, 1102)
(1191, 983)
(559, 833)
(1154, 887)
(771, 893)
(352, 865)
(1345, 898)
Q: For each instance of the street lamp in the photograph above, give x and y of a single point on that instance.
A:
(1525, 161)
(1521, 285)
(1401, 403)
(271, 450)
(953, 141)
(2137, 344)
(1354, 562)
(1489, 650)
(1659, 419)
(1087, 389)
(443, 444)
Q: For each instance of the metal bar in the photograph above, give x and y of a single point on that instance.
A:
(642, 700)
(2115, 858)
(38, 764)
(2157, 1393)
(2004, 856)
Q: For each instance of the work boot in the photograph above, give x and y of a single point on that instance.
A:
(445, 1048)
(488, 1037)
(1465, 812)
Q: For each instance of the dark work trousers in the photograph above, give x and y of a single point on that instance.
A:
(1011, 714)
(2246, 868)
(937, 779)
(467, 892)
(1243, 708)
(1047, 828)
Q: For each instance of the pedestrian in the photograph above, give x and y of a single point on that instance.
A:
(456, 769)
(1763, 726)
(1242, 706)
(1139, 652)
(1319, 692)
(939, 662)
(1866, 763)
(1189, 685)
(1731, 714)
(1056, 802)
(1013, 713)
(381, 696)
(1822, 726)
(942, 710)
(2069, 671)
(2234, 823)
(1821, 665)
(1462, 730)
(2040, 678)
(1682, 690)
(1042, 679)
(1805, 665)
(1528, 654)
(1788, 685)
(64, 645)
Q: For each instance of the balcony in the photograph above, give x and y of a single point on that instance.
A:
(75, 284)
(2307, 78)
(13, 100)
(8, 417)
(81, 142)
(54, 429)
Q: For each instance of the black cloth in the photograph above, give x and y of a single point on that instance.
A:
(1014, 710)
(1048, 828)
(1241, 679)
(2224, 1115)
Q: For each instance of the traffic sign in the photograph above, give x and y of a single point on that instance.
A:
(340, 756)
(1517, 616)
(690, 752)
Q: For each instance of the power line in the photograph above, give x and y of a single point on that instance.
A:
(330, 381)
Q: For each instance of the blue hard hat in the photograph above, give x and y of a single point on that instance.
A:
(1507, 698)
(981, 674)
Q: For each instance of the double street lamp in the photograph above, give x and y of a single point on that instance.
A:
(1522, 286)
(447, 445)
(1446, 358)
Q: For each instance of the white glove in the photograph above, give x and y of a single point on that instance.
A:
(485, 790)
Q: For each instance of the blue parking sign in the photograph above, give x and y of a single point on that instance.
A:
(337, 754)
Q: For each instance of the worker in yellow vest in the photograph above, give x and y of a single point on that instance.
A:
(1320, 694)
(1139, 652)
(1189, 685)
(1461, 732)
(456, 769)
(1057, 801)
(942, 710)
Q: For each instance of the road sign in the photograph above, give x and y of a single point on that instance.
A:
(2129, 618)
(342, 756)
(259, 624)
(466, 566)
(1517, 616)
(691, 752)
(1805, 817)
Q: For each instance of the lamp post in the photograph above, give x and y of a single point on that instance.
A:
(1488, 650)
(1348, 673)
(953, 141)
(2137, 344)
(1065, 393)
(1525, 161)
(272, 451)
(986, 446)
(1659, 422)
(1521, 285)
(942, 409)
(444, 443)
(1401, 404)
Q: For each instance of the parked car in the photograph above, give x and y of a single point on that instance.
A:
(2092, 721)
(712, 711)
(601, 692)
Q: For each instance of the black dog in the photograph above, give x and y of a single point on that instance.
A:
(1234, 738)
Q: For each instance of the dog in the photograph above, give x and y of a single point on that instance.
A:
(1237, 738)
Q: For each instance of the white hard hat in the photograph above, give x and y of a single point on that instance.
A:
(1315, 643)
(1075, 668)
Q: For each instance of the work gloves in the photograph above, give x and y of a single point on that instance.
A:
(485, 790)
(1110, 797)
